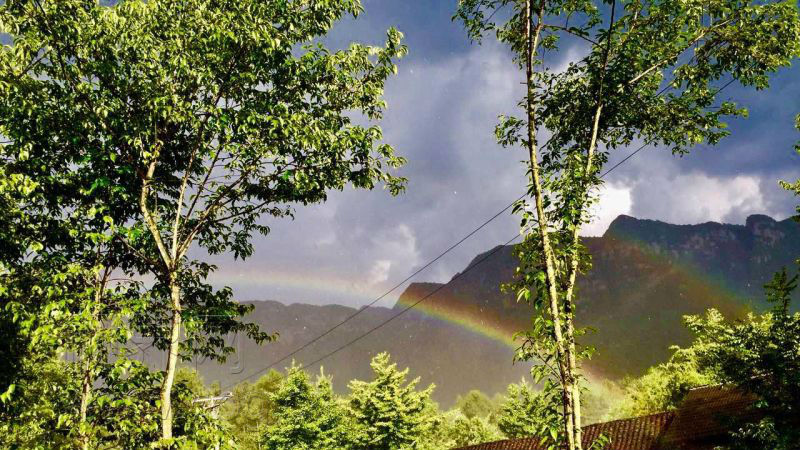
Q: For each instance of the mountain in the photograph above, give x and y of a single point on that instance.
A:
(646, 275)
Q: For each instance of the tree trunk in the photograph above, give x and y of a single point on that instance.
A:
(86, 397)
(566, 372)
(573, 272)
(573, 370)
(90, 358)
(172, 360)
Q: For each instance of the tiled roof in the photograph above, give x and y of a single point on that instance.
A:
(701, 422)
(639, 433)
(706, 414)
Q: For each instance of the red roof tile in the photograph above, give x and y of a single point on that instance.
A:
(705, 416)
(639, 433)
(702, 422)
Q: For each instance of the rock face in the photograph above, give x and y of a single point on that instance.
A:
(646, 275)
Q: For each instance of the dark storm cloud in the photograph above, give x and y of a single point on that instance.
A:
(443, 106)
(441, 118)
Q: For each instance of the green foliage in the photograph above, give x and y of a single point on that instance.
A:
(475, 404)
(13, 350)
(43, 411)
(652, 72)
(458, 430)
(192, 382)
(663, 387)
(762, 356)
(526, 412)
(388, 413)
(308, 416)
(252, 408)
(600, 398)
(794, 187)
(137, 130)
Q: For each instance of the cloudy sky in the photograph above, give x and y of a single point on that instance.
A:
(442, 110)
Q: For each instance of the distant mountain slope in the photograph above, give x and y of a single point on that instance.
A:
(646, 276)
(454, 358)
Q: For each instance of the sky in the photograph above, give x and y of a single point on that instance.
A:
(442, 108)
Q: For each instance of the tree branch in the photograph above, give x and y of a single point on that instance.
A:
(151, 223)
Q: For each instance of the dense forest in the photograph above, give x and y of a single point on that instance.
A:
(139, 138)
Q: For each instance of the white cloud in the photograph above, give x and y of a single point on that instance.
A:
(613, 201)
(706, 198)
(396, 245)
(696, 197)
(441, 114)
(379, 272)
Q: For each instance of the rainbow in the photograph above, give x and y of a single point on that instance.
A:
(317, 287)
(323, 287)
(710, 291)
(499, 331)
(716, 290)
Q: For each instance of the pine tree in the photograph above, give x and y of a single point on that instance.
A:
(388, 412)
(309, 417)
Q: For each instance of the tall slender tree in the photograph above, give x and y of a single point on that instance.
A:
(651, 72)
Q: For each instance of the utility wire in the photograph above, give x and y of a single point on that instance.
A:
(380, 325)
(624, 159)
(409, 307)
(457, 276)
(372, 303)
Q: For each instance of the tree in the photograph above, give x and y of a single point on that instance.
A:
(760, 355)
(650, 73)
(475, 404)
(600, 398)
(458, 430)
(252, 408)
(203, 117)
(43, 409)
(55, 267)
(525, 413)
(389, 413)
(59, 312)
(308, 417)
(794, 187)
(663, 386)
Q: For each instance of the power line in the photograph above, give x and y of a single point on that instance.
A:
(390, 319)
(624, 159)
(457, 276)
(470, 234)
(373, 302)
(409, 307)
(364, 308)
